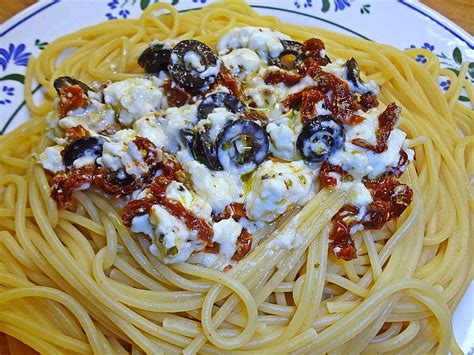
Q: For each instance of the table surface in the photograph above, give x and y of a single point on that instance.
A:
(460, 12)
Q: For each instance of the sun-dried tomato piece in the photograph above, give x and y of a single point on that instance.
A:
(71, 97)
(235, 210)
(227, 268)
(306, 99)
(312, 48)
(74, 133)
(342, 243)
(325, 179)
(390, 199)
(176, 95)
(387, 120)
(159, 185)
(152, 155)
(65, 184)
(308, 104)
(212, 249)
(136, 208)
(171, 168)
(280, 76)
(401, 165)
(378, 213)
(176, 208)
(225, 78)
(255, 115)
(244, 245)
(112, 186)
(368, 101)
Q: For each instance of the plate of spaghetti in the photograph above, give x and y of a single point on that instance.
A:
(235, 177)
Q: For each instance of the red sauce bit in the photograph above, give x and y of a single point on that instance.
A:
(280, 76)
(244, 245)
(342, 244)
(327, 180)
(74, 133)
(235, 210)
(225, 78)
(368, 101)
(390, 199)
(71, 98)
(387, 120)
(65, 184)
(176, 95)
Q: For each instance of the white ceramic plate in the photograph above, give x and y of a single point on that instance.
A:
(402, 23)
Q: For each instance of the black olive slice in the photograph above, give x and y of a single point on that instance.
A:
(219, 99)
(353, 75)
(187, 76)
(91, 146)
(242, 146)
(289, 47)
(202, 148)
(155, 58)
(320, 139)
(64, 81)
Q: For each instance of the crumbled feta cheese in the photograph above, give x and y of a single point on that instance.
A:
(178, 241)
(218, 188)
(174, 121)
(189, 200)
(141, 224)
(264, 41)
(242, 62)
(226, 233)
(133, 98)
(52, 160)
(96, 116)
(215, 122)
(283, 138)
(152, 128)
(120, 153)
(277, 187)
(360, 162)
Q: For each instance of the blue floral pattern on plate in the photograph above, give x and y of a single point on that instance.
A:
(6, 93)
(15, 53)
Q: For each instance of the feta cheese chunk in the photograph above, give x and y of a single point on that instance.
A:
(173, 236)
(218, 188)
(276, 188)
(52, 160)
(189, 200)
(226, 233)
(133, 98)
(242, 62)
(96, 117)
(283, 134)
(264, 41)
(152, 128)
(121, 154)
